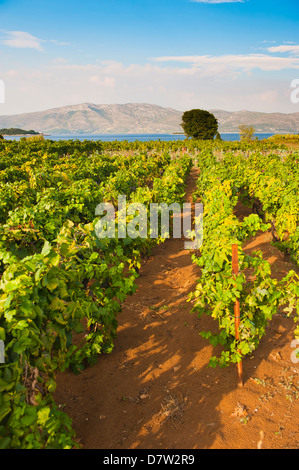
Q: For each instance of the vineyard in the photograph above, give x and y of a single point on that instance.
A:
(63, 290)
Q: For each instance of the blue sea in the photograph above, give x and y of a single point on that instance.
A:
(133, 137)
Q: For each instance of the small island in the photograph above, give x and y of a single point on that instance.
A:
(16, 131)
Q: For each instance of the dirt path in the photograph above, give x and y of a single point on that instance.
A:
(155, 391)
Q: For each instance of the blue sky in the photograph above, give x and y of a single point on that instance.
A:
(182, 54)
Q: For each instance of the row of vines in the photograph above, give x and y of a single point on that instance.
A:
(268, 182)
(61, 286)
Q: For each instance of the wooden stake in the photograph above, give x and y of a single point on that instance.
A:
(235, 269)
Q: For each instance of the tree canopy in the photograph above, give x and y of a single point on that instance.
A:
(246, 133)
(199, 124)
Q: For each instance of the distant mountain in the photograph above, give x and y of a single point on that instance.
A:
(99, 119)
(262, 122)
(139, 118)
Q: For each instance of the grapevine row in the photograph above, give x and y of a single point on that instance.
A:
(220, 185)
(59, 281)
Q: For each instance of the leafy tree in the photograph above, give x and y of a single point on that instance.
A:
(1, 137)
(246, 133)
(199, 124)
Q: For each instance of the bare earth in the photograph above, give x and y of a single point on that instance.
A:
(156, 391)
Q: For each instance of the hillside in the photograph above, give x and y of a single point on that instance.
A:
(139, 118)
(99, 119)
(262, 122)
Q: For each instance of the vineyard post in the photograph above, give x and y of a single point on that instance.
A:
(235, 269)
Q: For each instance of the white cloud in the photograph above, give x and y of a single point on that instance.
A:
(102, 81)
(292, 48)
(21, 39)
(181, 82)
(236, 62)
(58, 43)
